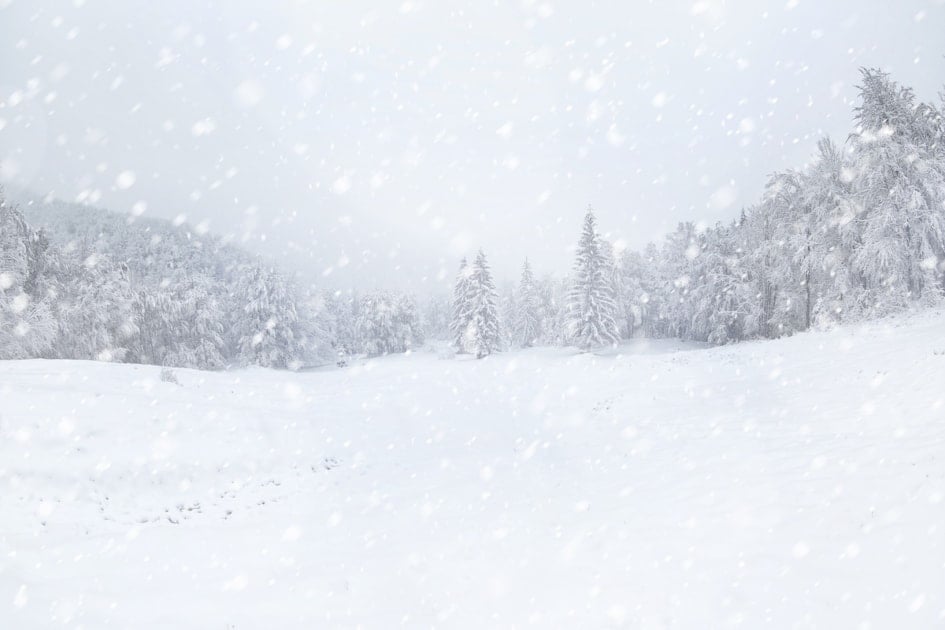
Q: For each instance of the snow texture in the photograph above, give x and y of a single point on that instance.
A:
(788, 483)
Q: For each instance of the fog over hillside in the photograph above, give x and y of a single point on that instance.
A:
(378, 143)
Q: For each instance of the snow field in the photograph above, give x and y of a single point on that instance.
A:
(790, 483)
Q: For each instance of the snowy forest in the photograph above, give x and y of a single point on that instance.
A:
(458, 314)
(857, 233)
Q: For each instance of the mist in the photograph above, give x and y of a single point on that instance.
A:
(374, 145)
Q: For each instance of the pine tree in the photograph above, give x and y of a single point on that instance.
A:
(339, 313)
(651, 292)
(269, 332)
(409, 323)
(436, 317)
(629, 291)
(27, 325)
(676, 276)
(483, 333)
(388, 323)
(375, 324)
(200, 343)
(781, 279)
(179, 326)
(831, 235)
(527, 320)
(461, 309)
(720, 294)
(508, 310)
(315, 324)
(591, 307)
(613, 272)
(552, 302)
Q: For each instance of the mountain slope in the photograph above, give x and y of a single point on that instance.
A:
(154, 249)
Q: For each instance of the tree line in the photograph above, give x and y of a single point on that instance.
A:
(857, 233)
(92, 284)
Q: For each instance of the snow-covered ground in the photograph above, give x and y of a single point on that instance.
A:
(793, 483)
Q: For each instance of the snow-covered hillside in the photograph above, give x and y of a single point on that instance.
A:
(791, 483)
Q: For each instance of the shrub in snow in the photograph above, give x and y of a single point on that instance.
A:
(169, 376)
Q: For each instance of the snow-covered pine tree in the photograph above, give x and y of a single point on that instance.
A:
(159, 313)
(677, 276)
(781, 281)
(269, 329)
(388, 323)
(376, 328)
(27, 326)
(591, 307)
(720, 293)
(340, 317)
(461, 308)
(831, 235)
(527, 320)
(612, 270)
(410, 325)
(483, 333)
(95, 309)
(552, 305)
(630, 304)
(180, 325)
(508, 310)
(652, 292)
(436, 317)
(316, 326)
(200, 344)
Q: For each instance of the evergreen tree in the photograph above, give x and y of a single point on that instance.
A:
(339, 314)
(376, 327)
(315, 326)
(27, 325)
(825, 249)
(591, 307)
(199, 338)
(483, 333)
(552, 302)
(436, 317)
(409, 323)
(179, 325)
(388, 324)
(652, 292)
(676, 278)
(95, 310)
(527, 319)
(629, 291)
(780, 279)
(508, 310)
(461, 309)
(720, 294)
(269, 332)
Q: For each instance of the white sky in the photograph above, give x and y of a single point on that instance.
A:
(381, 141)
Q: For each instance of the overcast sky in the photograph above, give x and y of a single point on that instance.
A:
(374, 143)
